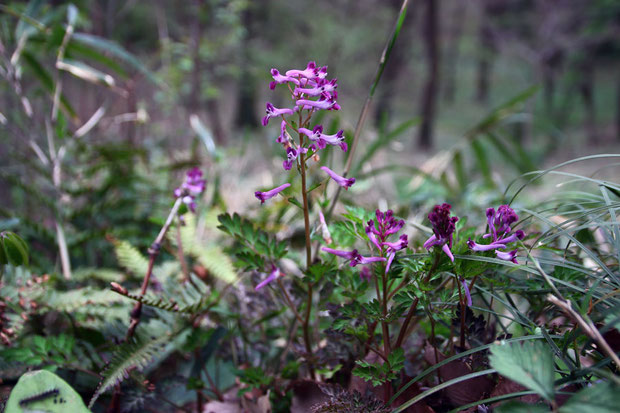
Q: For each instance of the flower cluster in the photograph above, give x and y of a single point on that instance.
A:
(379, 230)
(193, 186)
(443, 228)
(499, 223)
(310, 91)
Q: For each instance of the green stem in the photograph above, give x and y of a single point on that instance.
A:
(304, 195)
(403, 329)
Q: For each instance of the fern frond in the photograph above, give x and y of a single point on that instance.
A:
(216, 262)
(134, 354)
(102, 274)
(70, 301)
(130, 258)
(192, 298)
(211, 257)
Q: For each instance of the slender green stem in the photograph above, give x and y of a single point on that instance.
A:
(304, 195)
(403, 329)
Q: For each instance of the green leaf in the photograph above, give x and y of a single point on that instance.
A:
(42, 390)
(529, 364)
(14, 250)
(599, 398)
(114, 49)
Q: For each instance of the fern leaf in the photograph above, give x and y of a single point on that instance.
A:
(135, 354)
(210, 257)
(130, 258)
(216, 262)
(195, 298)
(73, 300)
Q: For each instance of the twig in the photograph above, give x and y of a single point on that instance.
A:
(587, 326)
(153, 252)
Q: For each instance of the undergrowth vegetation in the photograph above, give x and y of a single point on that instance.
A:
(124, 274)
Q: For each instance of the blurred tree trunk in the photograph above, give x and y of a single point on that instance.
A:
(455, 32)
(429, 96)
(246, 99)
(395, 65)
(586, 90)
(486, 54)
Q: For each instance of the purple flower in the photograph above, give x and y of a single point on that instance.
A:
(340, 180)
(323, 86)
(193, 186)
(263, 196)
(353, 256)
(507, 256)
(283, 137)
(279, 79)
(309, 72)
(500, 232)
(275, 273)
(392, 247)
(291, 155)
(324, 103)
(443, 228)
(317, 135)
(467, 293)
(272, 112)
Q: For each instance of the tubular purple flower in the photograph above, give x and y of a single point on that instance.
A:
(371, 234)
(340, 180)
(392, 247)
(272, 111)
(279, 79)
(481, 247)
(317, 135)
(398, 245)
(275, 273)
(467, 293)
(321, 87)
(507, 256)
(443, 228)
(365, 260)
(353, 256)
(324, 104)
(309, 72)
(291, 155)
(349, 255)
(335, 139)
(283, 137)
(263, 196)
